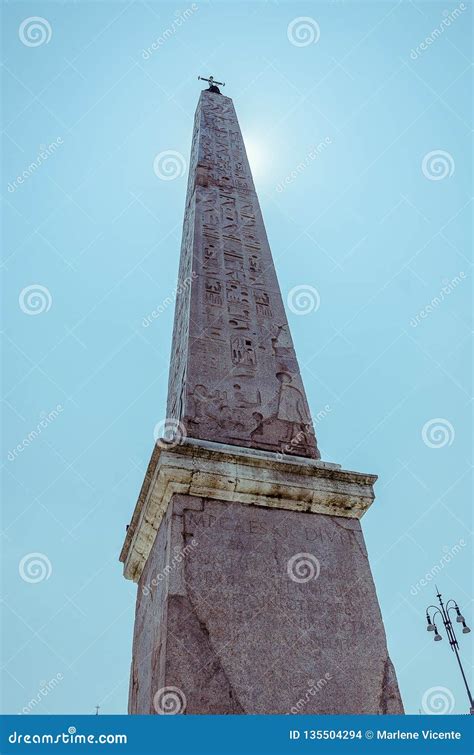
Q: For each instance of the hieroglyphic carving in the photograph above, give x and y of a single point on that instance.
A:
(242, 379)
(239, 316)
(247, 208)
(207, 151)
(232, 246)
(211, 250)
(234, 267)
(240, 169)
(210, 216)
(262, 301)
(237, 293)
(254, 263)
(222, 137)
(214, 323)
(255, 269)
(242, 185)
(291, 402)
(229, 216)
(213, 291)
(210, 405)
(243, 352)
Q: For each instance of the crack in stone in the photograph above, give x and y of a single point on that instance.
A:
(216, 658)
(356, 534)
(203, 625)
(217, 679)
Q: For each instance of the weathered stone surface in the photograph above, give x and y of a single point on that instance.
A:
(253, 610)
(254, 589)
(234, 376)
(251, 477)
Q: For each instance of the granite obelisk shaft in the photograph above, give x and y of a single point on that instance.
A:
(234, 377)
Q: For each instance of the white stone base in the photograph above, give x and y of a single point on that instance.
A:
(232, 473)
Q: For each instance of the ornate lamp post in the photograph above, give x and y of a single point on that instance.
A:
(444, 611)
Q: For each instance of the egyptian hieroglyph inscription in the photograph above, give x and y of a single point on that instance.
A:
(234, 376)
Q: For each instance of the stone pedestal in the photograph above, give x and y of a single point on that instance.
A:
(254, 589)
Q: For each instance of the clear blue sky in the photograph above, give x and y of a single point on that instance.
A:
(378, 237)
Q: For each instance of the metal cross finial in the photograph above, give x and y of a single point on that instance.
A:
(213, 85)
(97, 708)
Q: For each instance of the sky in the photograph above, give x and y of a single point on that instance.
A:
(357, 131)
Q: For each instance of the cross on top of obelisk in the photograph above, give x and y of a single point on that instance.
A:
(213, 85)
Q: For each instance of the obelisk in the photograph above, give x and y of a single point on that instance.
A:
(255, 593)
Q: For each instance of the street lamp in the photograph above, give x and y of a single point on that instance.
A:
(444, 611)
